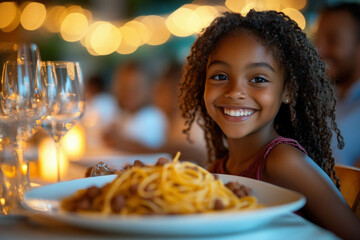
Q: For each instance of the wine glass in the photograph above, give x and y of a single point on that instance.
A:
(21, 106)
(25, 58)
(65, 100)
(27, 55)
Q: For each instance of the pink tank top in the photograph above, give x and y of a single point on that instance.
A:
(256, 167)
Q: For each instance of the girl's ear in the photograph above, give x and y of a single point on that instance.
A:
(286, 97)
(286, 100)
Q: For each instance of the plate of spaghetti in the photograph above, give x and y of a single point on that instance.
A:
(170, 198)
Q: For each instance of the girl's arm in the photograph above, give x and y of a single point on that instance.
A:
(288, 167)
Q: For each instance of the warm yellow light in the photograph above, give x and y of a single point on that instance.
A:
(74, 27)
(264, 5)
(142, 31)
(48, 161)
(86, 41)
(192, 23)
(105, 38)
(33, 16)
(8, 170)
(7, 13)
(190, 6)
(134, 34)
(235, 5)
(274, 5)
(74, 144)
(126, 48)
(75, 9)
(248, 7)
(244, 7)
(297, 4)
(159, 33)
(130, 35)
(220, 8)
(54, 17)
(173, 28)
(182, 22)
(206, 15)
(295, 15)
(91, 51)
(2, 201)
(15, 23)
(24, 168)
(88, 15)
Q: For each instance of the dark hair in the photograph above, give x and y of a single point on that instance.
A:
(308, 118)
(97, 82)
(352, 8)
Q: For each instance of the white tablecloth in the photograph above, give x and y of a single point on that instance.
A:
(34, 226)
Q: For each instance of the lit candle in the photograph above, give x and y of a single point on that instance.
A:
(2, 201)
(24, 169)
(73, 143)
(48, 162)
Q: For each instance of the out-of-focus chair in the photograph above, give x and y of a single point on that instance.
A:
(350, 185)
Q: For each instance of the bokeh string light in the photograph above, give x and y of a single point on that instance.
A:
(74, 23)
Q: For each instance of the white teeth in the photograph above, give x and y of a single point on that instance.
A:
(238, 112)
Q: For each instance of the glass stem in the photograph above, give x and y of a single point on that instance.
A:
(58, 158)
(23, 169)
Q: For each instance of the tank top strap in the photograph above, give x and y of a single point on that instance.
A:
(284, 140)
(257, 166)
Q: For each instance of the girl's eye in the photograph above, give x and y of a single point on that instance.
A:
(219, 77)
(259, 80)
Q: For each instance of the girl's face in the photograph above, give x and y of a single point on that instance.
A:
(244, 87)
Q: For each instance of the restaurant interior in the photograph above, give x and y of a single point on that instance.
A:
(101, 41)
(103, 35)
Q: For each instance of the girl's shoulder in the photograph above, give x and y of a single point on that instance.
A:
(288, 166)
(284, 152)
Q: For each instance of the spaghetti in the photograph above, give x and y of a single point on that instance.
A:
(172, 188)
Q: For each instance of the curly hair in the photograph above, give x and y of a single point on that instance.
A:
(310, 116)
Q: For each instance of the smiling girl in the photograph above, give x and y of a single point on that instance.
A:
(258, 89)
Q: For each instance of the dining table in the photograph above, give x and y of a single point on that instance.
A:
(28, 224)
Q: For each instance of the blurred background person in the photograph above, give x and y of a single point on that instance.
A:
(165, 97)
(149, 120)
(139, 124)
(338, 41)
(101, 109)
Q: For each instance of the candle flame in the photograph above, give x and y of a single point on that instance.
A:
(48, 161)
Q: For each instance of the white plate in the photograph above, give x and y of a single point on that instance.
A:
(278, 201)
(117, 161)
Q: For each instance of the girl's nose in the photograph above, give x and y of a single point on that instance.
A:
(236, 90)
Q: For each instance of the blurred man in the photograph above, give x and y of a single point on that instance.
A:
(338, 42)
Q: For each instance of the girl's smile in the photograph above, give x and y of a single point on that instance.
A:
(238, 112)
(234, 114)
